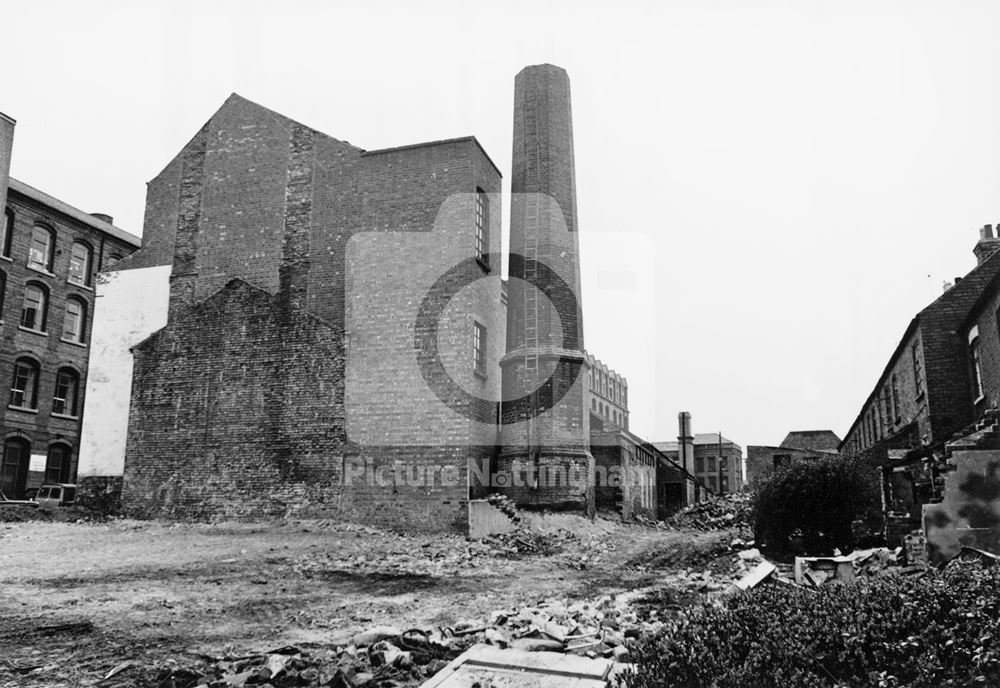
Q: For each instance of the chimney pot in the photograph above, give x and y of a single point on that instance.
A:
(986, 232)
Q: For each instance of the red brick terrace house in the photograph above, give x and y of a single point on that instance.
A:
(939, 381)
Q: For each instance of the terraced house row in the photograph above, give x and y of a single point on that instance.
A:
(50, 254)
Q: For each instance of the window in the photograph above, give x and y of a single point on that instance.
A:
(57, 464)
(887, 405)
(895, 396)
(711, 464)
(699, 464)
(918, 370)
(14, 468)
(6, 232)
(79, 263)
(24, 388)
(482, 226)
(3, 291)
(593, 404)
(977, 372)
(479, 349)
(74, 320)
(66, 392)
(40, 253)
(114, 258)
(33, 313)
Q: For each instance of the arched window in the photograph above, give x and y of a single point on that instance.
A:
(24, 386)
(6, 232)
(74, 320)
(482, 226)
(64, 399)
(34, 311)
(57, 464)
(80, 261)
(114, 258)
(42, 243)
(14, 468)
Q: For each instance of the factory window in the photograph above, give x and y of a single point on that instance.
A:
(482, 227)
(593, 404)
(479, 349)
(57, 464)
(888, 415)
(3, 291)
(699, 464)
(8, 232)
(79, 263)
(66, 392)
(711, 463)
(24, 388)
(977, 372)
(33, 312)
(74, 320)
(40, 252)
(918, 369)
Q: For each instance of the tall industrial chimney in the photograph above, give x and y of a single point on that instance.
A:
(545, 433)
(685, 453)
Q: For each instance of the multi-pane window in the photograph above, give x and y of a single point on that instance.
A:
(40, 252)
(482, 226)
(57, 464)
(24, 387)
(74, 320)
(895, 396)
(479, 349)
(33, 312)
(918, 369)
(66, 392)
(977, 372)
(79, 263)
(14, 468)
(6, 232)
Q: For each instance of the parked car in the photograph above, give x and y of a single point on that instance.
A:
(52, 495)
(15, 502)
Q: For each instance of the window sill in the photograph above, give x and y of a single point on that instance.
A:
(481, 374)
(23, 409)
(7, 258)
(979, 399)
(73, 342)
(484, 265)
(41, 271)
(79, 285)
(41, 333)
(64, 416)
(919, 397)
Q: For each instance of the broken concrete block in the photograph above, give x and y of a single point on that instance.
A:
(537, 645)
(373, 635)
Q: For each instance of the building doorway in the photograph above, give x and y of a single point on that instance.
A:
(14, 468)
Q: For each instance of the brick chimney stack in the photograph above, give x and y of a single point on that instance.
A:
(6, 144)
(987, 244)
(546, 427)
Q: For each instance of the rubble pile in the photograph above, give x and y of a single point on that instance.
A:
(387, 657)
(716, 513)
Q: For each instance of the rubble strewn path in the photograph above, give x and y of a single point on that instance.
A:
(85, 601)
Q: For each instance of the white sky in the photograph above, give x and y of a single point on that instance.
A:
(803, 176)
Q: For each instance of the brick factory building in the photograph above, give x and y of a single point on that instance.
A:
(50, 254)
(716, 462)
(798, 445)
(938, 383)
(315, 328)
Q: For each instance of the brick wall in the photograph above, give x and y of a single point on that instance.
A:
(334, 250)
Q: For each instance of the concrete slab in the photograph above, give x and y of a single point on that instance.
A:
(486, 665)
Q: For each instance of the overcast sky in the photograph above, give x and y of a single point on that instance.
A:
(801, 177)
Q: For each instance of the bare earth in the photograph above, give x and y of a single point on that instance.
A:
(154, 592)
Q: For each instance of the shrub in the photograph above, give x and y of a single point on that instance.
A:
(819, 498)
(939, 630)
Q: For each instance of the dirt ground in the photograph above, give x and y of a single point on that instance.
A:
(77, 599)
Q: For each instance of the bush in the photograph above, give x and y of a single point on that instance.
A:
(820, 499)
(939, 630)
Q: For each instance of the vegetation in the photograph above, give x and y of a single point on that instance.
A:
(818, 499)
(939, 629)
